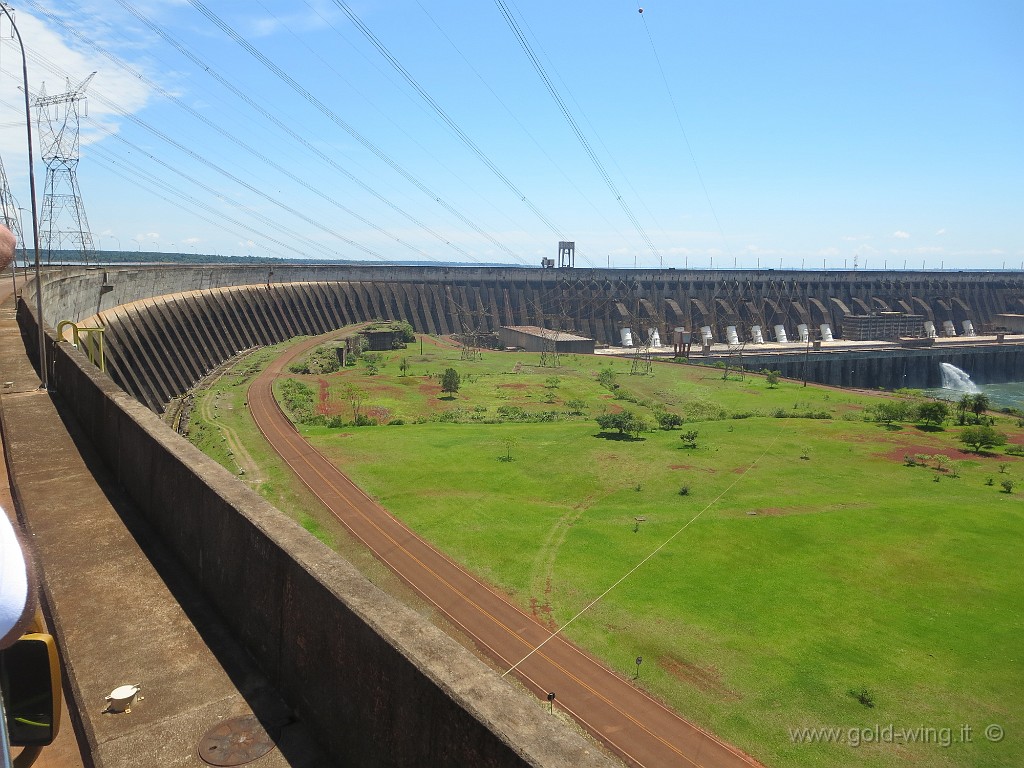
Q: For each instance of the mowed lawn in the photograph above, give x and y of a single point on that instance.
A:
(804, 562)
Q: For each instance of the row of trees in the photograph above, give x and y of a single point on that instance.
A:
(976, 403)
(929, 412)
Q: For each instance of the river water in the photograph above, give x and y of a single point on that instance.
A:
(1009, 395)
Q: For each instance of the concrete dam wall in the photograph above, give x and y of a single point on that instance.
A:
(167, 326)
(377, 683)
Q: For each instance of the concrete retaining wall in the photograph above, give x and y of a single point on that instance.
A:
(380, 685)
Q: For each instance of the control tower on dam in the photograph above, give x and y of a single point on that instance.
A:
(167, 326)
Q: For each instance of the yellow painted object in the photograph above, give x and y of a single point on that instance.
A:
(93, 351)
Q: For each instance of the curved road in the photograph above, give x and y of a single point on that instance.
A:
(632, 724)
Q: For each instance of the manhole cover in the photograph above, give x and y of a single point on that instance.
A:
(237, 741)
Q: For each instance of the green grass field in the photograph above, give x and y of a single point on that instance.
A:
(805, 561)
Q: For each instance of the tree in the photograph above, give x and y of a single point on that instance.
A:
(404, 366)
(356, 397)
(606, 378)
(982, 436)
(963, 405)
(624, 422)
(689, 439)
(889, 411)
(979, 404)
(576, 406)
(669, 421)
(771, 377)
(933, 412)
(509, 443)
(450, 381)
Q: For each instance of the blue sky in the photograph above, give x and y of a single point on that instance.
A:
(786, 134)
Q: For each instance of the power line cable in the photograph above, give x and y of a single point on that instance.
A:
(650, 555)
(274, 120)
(445, 117)
(225, 133)
(538, 66)
(682, 130)
(341, 123)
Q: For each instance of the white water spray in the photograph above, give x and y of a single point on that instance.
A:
(957, 380)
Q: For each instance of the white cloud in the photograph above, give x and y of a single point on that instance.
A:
(55, 57)
(941, 231)
(856, 238)
(901, 235)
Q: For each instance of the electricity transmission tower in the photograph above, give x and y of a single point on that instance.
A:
(9, 208)
(63, 225)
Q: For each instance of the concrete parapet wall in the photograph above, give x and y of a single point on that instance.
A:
(379, 684)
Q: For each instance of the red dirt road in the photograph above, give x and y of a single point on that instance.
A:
(631, 723)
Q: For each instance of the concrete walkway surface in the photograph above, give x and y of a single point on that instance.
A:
(122, 610)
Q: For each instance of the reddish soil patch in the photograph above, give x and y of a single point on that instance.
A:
(690, 466)
(707, 680)
(542, 611)
(913, 449)
(324, 401)
(513, 386)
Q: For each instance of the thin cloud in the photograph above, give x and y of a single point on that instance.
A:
(901, 235)
(54, 60)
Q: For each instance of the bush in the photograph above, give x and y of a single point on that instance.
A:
(981, 436)
(863, 695)
(684, 490)
(669, 421)
(1007, 485)
(299, 401)
(624, 422)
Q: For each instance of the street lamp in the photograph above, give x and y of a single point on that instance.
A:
(32, 190)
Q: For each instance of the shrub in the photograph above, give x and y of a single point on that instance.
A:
(863, 695)
(669, 421)
(1007, 485)
(624, 422)
(576, 406)
(684, 490)
(981, 436)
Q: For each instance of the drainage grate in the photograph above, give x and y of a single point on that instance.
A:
(237, 741)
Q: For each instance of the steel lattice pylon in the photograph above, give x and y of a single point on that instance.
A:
(63, 225)
(9, 208)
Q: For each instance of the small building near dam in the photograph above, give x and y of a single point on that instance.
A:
(535, 339)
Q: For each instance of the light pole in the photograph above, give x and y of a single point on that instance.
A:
(118, 239)
(138, 244)
(32, 190)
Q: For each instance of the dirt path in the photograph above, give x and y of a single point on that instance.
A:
(243, 459)
(632, 724)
